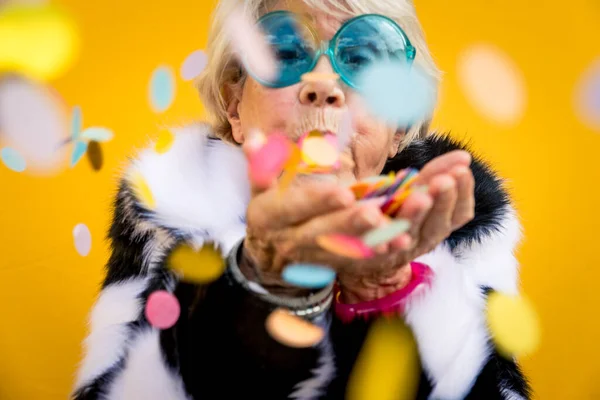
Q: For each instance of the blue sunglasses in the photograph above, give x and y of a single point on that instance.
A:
(358, 43)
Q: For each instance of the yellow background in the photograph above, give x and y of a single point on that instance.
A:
(551, 160)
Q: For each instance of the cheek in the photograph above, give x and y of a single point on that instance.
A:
(266, 109)
(371, 146)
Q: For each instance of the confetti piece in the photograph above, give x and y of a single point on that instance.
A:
(94, 155)
(40, 41)
(79, 149)
(13, 160)
(251, 46)
(162, 309)
(360, 189)
(267, 163)
(513, 324)
(308, 276)
(83, 239)
(292, 331)
(193, 65)
(345, 246)
(319, 76)
(385, 233)
(197, 266)
(492, 83)
(76, 123)
(587, 97)
(164, 142)
(345, 130)
(162, 88)
(388, 364)
(97, 134)
(33, 122)
(290, 169)
(397, 93)
(318, 151)
(142, 191)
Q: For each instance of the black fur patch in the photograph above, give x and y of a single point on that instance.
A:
(491, 199)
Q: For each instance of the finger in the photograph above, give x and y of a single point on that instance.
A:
(443, 164)
(415, 209)
(437, 225)
(465, 203)
(273, 209)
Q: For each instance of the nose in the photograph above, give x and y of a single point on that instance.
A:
(322, 93)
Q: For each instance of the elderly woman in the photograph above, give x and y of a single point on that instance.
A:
(463, 232)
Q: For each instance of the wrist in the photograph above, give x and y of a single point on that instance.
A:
(270, 282)
(360, 289)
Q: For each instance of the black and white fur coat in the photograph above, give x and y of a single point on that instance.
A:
(219, 348)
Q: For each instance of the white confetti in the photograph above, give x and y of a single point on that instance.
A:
(83, 239)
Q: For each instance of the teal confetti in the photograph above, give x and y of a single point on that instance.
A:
(13, 160)
(79, 150)
(397, 93)
(162, 89)
(308, 275)
(97, 134)
(386, 233)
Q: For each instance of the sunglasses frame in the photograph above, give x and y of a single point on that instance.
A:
(327, 47)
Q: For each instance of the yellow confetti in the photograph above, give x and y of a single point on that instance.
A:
(292, 331)
(318, 151)
(164, 142)
(197, 266)
(388, 365)
(41, 41)
(142, 191)
(513, 324)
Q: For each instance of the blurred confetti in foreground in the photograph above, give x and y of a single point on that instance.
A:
(398, 93)
(292, 331)
(162, 88)
(13, 159)
(198, 266)
(513, 324)
(82, 239)
(162, 309)
(164, 142)
(142, 190)
(388, 365)
(37, 40)
(492, 83)
(587, 97)
(33, 122)
(193, 65)
(308, 275)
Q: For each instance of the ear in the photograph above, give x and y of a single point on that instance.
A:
(233, 96)
(395, 143)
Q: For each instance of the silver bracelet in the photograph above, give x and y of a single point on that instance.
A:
(309, 307)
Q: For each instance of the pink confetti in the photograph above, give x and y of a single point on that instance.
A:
(251, 46)
(162, 309)
(193, 65)
(268, 162)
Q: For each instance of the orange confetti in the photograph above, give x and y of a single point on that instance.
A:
(345, 246)
(292, 331)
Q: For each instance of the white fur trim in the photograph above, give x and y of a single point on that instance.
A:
(314, 387)
(145, 375)
(117, 305)
(200, 186)
(511, 395)
(448, 320)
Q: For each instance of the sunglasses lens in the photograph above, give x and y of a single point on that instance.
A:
(367, 40)
(293, 45)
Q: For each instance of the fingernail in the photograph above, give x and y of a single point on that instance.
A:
(446, 184)
(461, 171)
(371, 216)
(421, 189)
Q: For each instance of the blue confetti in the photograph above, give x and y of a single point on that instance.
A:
(162, 89)
(398, 93)
(79, 150)
(13, 160)
(76, 123)
(308, 275)
(97, 134)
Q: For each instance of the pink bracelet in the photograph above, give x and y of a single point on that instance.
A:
(393, 303)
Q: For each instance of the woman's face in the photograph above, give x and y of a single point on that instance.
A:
(305, 106)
